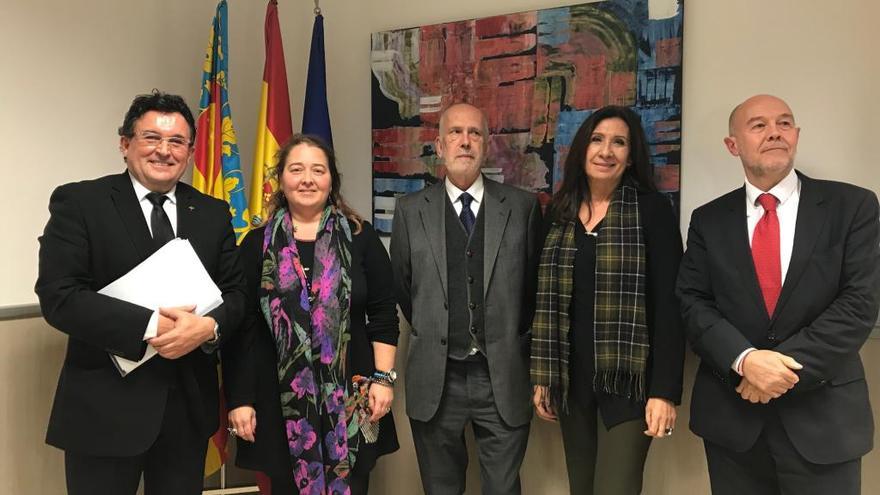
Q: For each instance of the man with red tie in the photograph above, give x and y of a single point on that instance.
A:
(779, 291)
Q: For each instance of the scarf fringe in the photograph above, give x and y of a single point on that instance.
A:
(629, 384)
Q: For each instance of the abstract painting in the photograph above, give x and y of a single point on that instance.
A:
(537, 75)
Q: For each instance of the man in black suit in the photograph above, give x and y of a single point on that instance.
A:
(156, 420)
(779, 291)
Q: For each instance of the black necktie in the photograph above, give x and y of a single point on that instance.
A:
(467, 215)
(159, 222)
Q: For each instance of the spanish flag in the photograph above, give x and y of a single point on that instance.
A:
(217, 170)
(274, 124)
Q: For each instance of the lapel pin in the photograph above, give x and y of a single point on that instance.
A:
(191, 208)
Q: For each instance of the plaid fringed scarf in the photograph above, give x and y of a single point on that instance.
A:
(620, 333)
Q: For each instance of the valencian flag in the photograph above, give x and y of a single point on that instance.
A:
(217, 170)
(273, 124)
(316, 116)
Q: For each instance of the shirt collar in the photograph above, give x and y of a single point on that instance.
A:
(783, 190)
(140, 191)
(476, 190)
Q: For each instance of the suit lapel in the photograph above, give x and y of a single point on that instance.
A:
(129, 209)
(736, 230)
(185, 211)
(497, 213)
(811, 218)
(434, 222)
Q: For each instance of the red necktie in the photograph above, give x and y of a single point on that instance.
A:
(765, 252)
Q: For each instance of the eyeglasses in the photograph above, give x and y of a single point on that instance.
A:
(152, 140)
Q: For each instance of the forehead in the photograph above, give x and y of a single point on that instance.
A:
(171, 123)
(612, 126)
(767, 107)
(306, 153)
(464, 116)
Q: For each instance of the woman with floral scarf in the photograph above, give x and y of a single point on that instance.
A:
(309, 378)
(607, 345)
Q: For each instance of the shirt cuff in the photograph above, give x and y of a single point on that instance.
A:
(738, 362)
(152, 326)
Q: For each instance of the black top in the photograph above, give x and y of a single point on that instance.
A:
(250, 373)
(666, 355)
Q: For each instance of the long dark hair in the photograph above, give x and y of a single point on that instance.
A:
(575, 188)
(278, 200)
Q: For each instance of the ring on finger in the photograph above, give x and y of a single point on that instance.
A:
(669, 431)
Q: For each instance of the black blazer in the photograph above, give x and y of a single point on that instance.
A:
(96, 233)
(827, 307)
(250, 363)
(666, 355)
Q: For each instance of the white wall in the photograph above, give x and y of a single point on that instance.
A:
(70, 70)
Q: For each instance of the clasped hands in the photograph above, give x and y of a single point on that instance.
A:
(179, 331)
(767, 375)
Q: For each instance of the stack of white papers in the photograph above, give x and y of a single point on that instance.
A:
(172, 276)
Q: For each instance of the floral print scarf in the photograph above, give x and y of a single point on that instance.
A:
(310, 322)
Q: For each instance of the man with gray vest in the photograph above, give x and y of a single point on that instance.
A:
(465, 253)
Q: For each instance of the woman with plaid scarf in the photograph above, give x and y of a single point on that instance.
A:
(607, 345)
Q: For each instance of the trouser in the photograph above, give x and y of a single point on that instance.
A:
(602, 461)
(173, 465)
(440, 443)
(774, 466)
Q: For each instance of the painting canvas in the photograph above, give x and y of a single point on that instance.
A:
(537, 75)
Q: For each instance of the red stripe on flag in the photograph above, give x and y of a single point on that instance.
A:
(275, 75)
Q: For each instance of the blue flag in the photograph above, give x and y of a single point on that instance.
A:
(316, 115)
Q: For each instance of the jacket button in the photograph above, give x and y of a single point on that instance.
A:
(472, 305)
(442, 341)
(470, 279)
(469, 253)
(474, 328)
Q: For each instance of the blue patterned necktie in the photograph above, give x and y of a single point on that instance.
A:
(467, 215)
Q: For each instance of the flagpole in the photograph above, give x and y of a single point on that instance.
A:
(317, 7)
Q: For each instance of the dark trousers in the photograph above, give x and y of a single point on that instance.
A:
(359, 483)
(173, 465)
(600, 460)
(440, 444)
(773, 466)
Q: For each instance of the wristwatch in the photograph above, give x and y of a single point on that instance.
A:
(386, 377)
(216, 336)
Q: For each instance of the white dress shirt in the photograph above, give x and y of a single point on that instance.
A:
(170, 208)
(788, 193)
(476, 192)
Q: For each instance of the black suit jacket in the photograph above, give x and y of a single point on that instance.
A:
(95, 234)
(826, 310)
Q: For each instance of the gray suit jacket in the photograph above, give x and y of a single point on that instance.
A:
(511, 250)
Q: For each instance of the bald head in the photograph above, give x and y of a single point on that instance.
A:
(466, 108)
(764, 136)
(756, 100)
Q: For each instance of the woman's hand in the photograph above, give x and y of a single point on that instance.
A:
(243, 422)
(541, 399)
(380, 399)
(660, 417)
